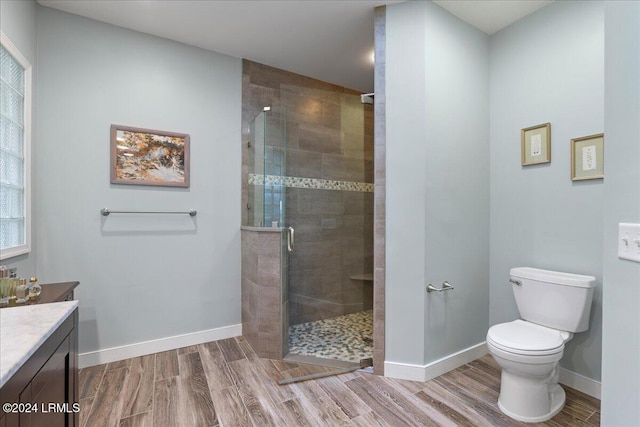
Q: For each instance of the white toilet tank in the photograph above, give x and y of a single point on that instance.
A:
(549, 298)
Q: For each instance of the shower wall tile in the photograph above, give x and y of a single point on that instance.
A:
(352, 119)
(379, 194)
(322, 92)
(306, 164)
(380, 170)
(246, 194)
(293, 135)
(261, 291)
(356, 250)
(306, 309)
(361, 266)
(353, 292)
(358, 203)
(342, 168)
(332, 116)
(318, 283)
(378, 303)
(302, 109)
(276, 132)
(324, 202)
(259, 97)
(291, 207)
(357, 145)
(319, 139)
(378, 254)
(308, 228)
(367, 299)
(312, 228)
(249, 263)
(268, 268)
(369, 122)
(266, 76)
(355, 288)
(359, 227)
(316, 254)
(379, 204)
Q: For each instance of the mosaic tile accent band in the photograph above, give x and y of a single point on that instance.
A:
(319, 184)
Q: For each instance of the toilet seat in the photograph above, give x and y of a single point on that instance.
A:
(527, 339)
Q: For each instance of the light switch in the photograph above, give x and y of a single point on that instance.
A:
(629, 241)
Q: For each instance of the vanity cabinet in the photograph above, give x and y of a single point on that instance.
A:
(46, 385)
(56, 292)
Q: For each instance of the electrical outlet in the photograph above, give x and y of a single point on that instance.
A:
(629, 241)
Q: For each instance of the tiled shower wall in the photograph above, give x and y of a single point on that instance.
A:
(380, 190)
(329, 136)
(262, 291)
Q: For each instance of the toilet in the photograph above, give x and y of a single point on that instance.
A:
(553, 306)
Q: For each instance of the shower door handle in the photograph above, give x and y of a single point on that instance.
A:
(290, 239)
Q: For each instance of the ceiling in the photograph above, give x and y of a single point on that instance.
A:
(331, 40)
(491, 16)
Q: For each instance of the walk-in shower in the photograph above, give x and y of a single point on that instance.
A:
(309, 186)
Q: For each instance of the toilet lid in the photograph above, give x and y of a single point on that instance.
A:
(526, 338)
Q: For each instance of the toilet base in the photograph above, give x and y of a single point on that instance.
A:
(553, 393)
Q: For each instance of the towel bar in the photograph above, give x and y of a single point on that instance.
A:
(107, 212)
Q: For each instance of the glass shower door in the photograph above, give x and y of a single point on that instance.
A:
(267, 195)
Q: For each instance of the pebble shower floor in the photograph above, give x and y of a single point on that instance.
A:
(348, 338)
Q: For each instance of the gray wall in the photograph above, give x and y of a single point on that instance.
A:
(621, 329)
(18, 22)
(548, 68)
(142, 277)
(437, 188)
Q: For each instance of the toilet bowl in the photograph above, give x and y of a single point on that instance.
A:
(528, 355)
(553, 306)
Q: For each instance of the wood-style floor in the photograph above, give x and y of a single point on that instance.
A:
(223, 383)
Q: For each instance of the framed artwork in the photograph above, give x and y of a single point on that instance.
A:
(149, 157)
(587, 157)
(536, 144)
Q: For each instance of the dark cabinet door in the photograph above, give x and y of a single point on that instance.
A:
(48, 391)
(45, 388)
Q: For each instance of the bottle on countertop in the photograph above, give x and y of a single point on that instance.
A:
(4, 285)
(34, 288)
(22, 292)
(13, 282)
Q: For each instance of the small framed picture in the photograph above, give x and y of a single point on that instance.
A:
(587, 157)
(536, 144)
(149, 157)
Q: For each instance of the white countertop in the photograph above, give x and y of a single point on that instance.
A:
(24, 329)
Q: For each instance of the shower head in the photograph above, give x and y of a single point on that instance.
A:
(367, 98)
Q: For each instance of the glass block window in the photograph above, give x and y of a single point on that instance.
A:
(14, 148)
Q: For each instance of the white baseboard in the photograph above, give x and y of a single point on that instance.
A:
(406, 371)
(114, 354)
(580, 383)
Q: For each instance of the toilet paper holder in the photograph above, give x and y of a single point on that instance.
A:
(446, 286)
